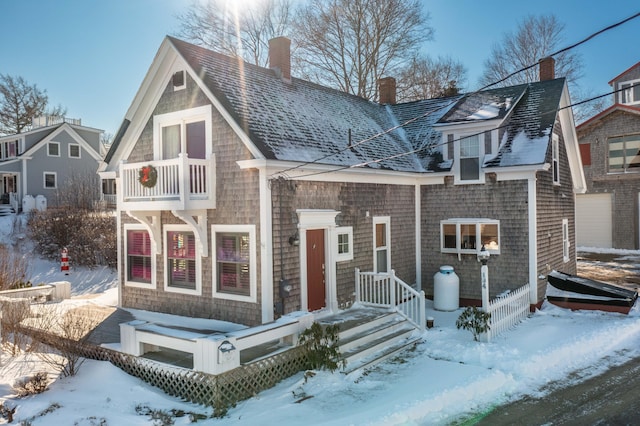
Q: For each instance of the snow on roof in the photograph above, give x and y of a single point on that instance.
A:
(305, 122)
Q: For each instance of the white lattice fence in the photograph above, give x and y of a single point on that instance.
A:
(507, 311)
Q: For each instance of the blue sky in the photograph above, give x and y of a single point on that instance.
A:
(91, 56)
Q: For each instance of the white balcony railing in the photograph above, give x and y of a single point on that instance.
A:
(181, 184)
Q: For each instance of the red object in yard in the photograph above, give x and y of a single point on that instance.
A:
(64, 265)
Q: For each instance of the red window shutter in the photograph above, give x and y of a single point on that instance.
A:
(585, 153)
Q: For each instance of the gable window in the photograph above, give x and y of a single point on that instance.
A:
(624, 153)
(469, 235)
(565, 240)
(182, 263)
(345, 243)
(187, 132)
(555, 161)
(140, 265)
(74, 150)
(178, 80)
(629, 92)
(8, 149)
(381, 237)
(53, 149)
(235, 266)
(50, 180)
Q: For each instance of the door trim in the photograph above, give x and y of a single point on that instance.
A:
(325, 220)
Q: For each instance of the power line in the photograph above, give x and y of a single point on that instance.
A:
(454, 99)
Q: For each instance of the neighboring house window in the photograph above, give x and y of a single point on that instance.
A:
(74, 150)
(178, 80)
(565, 240)
(629, 92)
(381, 239)
(555, 166)
(345, 243)
(140, 260)
(624, 153)
(187, 131)
(235, 265)
(53, 149)
(182, 263)
(469, 154)
(469, 235)
(50, 180)
(9, 149)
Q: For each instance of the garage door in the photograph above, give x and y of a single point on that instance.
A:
(593, 220)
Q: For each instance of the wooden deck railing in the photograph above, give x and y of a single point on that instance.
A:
(386, 289)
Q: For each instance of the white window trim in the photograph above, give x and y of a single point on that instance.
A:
(342, 257)
(182, 117)
(457, 137)
(468, 221)
(386, 220)
(198, 290)
(79, 150)
(566, 243)
(253, 264)
(555, 159)
(153, 283)
(49, 153)
(44, 180)
(621, 92)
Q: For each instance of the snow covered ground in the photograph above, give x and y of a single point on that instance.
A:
(447, 377)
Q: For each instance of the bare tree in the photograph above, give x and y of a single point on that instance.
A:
(425, 78)
(350, 44)
(222, 26)
(20, 102)
(535, 38)
(14, 269)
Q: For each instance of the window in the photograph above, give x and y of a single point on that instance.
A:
(182, 264)
(53, 149)
(624, 154)
(235, 266)
(629, 92)
(178, 80)
(140, 260)
(469, 235)
(345, 243)
(565, 240)
(50, 180)
(74, 150)
(9, 149)
(555, 166)
(186, 131)
(469, 154)
(381, 237)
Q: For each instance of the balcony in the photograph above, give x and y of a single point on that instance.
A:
(181, 184)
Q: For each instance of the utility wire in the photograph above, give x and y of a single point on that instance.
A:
(454, 99)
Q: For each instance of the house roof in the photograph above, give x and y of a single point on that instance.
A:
(612, 109)
(617, 77)
(300, 121)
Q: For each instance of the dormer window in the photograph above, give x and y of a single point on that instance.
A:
(469, 154)
(179, 81)
(629, 92)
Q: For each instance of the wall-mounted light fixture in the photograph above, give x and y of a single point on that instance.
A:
(294, 240)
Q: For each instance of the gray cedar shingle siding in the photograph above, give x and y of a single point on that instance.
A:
(624, 186)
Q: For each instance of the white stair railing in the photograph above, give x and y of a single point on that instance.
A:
(385, 289)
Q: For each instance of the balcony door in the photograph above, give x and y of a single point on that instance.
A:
(193, 135)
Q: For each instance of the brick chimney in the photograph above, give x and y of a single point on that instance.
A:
(547, 68)
(387, 90)
(280, 57)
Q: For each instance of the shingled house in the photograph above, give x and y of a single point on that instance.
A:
(246, 193)
(608, 213)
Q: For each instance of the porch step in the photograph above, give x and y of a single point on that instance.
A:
(6, 210)
(378, 335)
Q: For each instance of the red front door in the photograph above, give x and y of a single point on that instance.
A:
(316, 295)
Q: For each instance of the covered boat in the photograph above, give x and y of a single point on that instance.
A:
(573, 292)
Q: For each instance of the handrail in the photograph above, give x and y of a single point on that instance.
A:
(386, 289)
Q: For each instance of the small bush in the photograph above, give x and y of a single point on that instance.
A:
(475, 320)
(14, 269)
(321, 346)
(32, 385)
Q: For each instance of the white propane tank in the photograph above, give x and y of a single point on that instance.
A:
(446, 289)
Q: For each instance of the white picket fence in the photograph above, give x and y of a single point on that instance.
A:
(507, 311)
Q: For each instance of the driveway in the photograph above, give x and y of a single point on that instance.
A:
(621, 268)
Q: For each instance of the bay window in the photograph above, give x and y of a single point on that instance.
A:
(467, 236)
